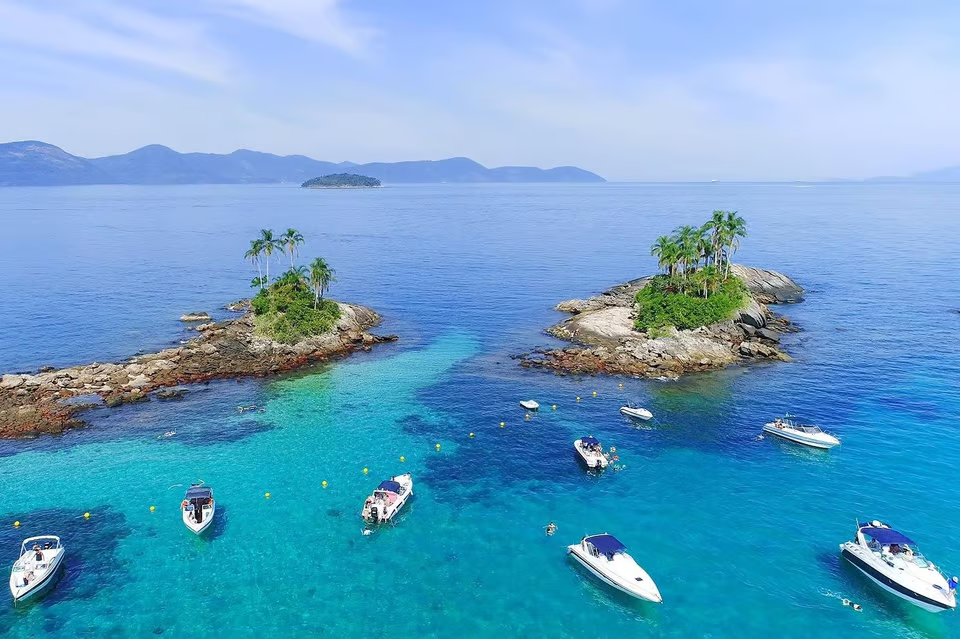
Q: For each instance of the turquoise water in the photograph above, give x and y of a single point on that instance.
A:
(741, 535)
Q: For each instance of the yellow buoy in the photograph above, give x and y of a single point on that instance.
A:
(471, 434)
(502, 424)
(578, 399)
(438, 446)
(366, 470)
(86, 515)
(324, 483)
(402, 458)
(16, 524)
(594, 393)
(620, 385)
(554, 407)
(527, 416)
(153, 508)
(267, 495)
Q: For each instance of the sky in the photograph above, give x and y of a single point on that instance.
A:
(631, 89)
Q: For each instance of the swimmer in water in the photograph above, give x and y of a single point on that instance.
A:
(550, 528)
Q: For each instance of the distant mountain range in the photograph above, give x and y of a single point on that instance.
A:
(949, 174)
(34, 163)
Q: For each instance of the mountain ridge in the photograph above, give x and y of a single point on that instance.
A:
(35, 163)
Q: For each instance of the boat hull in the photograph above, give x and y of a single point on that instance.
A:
(383, 516)
(645, 595)
(891, 586)
(797, 438)
(633, 413)
(24, 594)
(193, 526)
(595, 462)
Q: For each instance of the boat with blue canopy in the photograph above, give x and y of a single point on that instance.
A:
(591, 452)
(607, 559)
(892, 561)
(387, 499)
(198, 508)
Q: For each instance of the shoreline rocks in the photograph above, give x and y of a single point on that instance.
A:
(602, 327)
(32, 404)
(195, 317)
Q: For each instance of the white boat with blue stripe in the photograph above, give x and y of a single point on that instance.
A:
(893, 562)
(36, 568)
(790, 429)
(607, 559)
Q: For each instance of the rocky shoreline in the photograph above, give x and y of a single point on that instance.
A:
(49, 401)
(602, 326)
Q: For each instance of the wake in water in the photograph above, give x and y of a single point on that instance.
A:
(843, 600)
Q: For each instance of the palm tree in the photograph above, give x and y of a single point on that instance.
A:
(321, 276)
(256, 249)
(269, 245)
(715, 228)
(688, 237)
(290, 241)
(734, 227)
(665, 249)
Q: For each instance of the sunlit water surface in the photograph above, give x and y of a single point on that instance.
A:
(740, 534)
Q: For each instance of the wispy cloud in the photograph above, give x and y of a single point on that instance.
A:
(322, 21)
(106, 30)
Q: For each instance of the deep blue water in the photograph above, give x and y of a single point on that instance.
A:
(741, 535)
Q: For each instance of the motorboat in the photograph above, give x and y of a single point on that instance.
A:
(591, 452)
(893, 562)
(198, 508)
(34, 571)
(607, 559)
(792, 430)
(635, 412)
(387, 500)
(529, 404)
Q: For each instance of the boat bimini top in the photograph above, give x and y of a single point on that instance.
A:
(606, 544)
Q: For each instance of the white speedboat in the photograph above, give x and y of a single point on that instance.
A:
(387, 500)
(792, 430)
(635, 412)
(529, 404)
(894, 563)
(591, 452)
(198, 508)
(37, 566)
(605, 557)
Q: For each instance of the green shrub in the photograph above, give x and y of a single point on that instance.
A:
(284, 311)
(659, 305)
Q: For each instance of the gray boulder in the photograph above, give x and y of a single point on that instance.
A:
(769, 287)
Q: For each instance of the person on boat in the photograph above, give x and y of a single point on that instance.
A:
(778, 422)
(38, 554)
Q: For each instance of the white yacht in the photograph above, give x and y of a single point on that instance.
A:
(529, 404)
(635, 412)
(893, 562)
(35, 569)
(792, 430)
(198, 508)
(387, 500)
(591, 452)
(605, 557)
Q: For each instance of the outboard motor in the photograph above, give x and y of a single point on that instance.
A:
(374, 514)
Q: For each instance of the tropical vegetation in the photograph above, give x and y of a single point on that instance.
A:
(341, 180)
(696, 287)
(291, 307)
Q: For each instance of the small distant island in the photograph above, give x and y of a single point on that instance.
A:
(342, 181)
(701, 312)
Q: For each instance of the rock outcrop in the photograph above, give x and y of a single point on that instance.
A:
(603, 327)
(32, 404)
(195, 317)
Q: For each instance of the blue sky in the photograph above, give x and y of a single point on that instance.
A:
(632, 89)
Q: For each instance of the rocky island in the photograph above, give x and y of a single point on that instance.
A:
(702, 313)
(342, 181)
(288, 324)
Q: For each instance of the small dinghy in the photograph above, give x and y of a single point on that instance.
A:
(607, 559)
(387, 500)
(529, 404)
(591, 452)
(34, 571)
(635, 412)
(198, 508)
(814, 436)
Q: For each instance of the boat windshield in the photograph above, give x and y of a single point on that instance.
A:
(808, 429)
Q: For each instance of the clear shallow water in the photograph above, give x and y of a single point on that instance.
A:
(741, 535)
